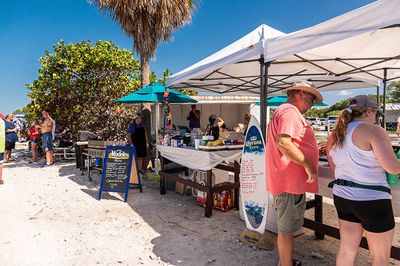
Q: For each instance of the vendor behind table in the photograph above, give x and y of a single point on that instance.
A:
(213, 128)
(137, 137)
(194, 117)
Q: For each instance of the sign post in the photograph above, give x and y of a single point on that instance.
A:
(117, 170)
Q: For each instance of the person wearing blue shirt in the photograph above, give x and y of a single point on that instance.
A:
(2, 144)
(194, 117)
(11, 137)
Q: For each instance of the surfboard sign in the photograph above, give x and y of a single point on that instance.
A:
(253, 194)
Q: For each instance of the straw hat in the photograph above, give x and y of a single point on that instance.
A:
(307, 87)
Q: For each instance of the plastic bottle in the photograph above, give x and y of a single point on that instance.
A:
(393, 179)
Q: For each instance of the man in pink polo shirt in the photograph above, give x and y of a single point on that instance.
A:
(292, 163)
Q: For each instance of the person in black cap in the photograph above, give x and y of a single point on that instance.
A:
(359, 151)
(212, 128)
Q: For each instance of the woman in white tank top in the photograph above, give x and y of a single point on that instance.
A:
(359, 153)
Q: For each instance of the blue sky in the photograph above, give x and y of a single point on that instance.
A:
(29, 27)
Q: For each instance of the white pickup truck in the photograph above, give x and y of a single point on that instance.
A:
(331, 121)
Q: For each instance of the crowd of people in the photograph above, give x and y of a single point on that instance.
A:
(359, 153)
(38, 134)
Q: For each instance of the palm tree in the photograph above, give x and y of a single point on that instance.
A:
(148, 22)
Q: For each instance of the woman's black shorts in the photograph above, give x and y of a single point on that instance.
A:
(374, 215)
(9, 146)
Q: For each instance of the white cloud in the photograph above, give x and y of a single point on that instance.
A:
(345, 93)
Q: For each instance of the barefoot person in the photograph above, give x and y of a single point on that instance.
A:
(292, 163)
(47, 138)
(2, 146)
(34, 135)
(359, 152)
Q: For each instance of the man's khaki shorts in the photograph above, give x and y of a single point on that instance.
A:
(290, 209)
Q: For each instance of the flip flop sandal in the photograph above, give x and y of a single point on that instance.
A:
(296, 262)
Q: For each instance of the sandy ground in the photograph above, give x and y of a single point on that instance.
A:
(52, 216)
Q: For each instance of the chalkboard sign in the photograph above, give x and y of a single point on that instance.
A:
(117, 169)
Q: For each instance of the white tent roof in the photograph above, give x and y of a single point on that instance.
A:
(349, 51)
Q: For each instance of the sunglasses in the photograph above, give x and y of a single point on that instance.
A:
(311, 96)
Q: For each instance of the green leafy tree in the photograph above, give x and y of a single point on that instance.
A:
(79, 83)
(166, 74)
(332, 110)
(394, 91)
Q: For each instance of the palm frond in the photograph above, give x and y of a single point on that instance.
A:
(148, 22)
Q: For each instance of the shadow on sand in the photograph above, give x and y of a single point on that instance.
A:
(184, 232)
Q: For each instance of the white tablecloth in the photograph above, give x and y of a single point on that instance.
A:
(325, 175)
(198, 159)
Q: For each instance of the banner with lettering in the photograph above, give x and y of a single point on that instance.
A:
(252, 179)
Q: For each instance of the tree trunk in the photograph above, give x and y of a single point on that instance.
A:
(144, 71)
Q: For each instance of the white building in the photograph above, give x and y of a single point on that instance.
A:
(230, 108)
(392, 112)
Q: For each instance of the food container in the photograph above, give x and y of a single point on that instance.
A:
(393, 179)
(204, 141)
(166, 140)
(223, 201)
(174, 143)
(180, 142)
(197, 143)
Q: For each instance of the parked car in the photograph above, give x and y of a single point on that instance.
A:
(314, 121)
(331, 121)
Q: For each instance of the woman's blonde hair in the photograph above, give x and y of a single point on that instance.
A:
(346, 116)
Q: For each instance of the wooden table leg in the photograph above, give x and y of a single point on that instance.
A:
(209, 201)
(236, 195)
(318, 215)
(162, 177)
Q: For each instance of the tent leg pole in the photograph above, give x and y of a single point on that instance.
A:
(263, 94)
(377, 94)
(267, 109)
(384, 97)
(157, 160)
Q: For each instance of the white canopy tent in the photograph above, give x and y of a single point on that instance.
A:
(356, 50)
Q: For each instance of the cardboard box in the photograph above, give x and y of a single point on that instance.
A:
(182, 188)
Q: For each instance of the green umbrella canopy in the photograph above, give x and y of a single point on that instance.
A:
(278, 100)
(154, 93)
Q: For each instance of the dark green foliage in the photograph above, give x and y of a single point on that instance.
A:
(79, 83)
(394, 91)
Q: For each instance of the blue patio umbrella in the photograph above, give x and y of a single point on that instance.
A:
(278, 100)
(154, 93)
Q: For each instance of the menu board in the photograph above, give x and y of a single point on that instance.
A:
(117, 169)
(252, 179)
